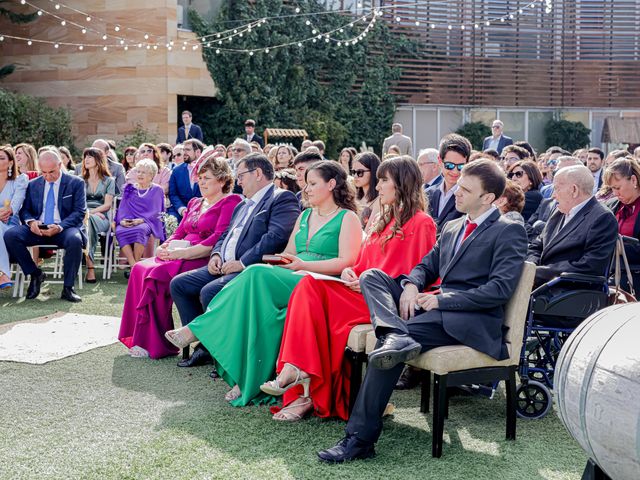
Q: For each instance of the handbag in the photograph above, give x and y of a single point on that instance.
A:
(619, 295)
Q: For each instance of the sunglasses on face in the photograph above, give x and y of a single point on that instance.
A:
(177, 154)
(518, 174)
(359, 173)
(146, 150)
(453, 166)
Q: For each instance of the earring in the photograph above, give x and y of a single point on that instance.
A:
(10, 172)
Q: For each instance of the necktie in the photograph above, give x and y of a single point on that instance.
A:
(50, 206)
(468, 230)
(242, 218)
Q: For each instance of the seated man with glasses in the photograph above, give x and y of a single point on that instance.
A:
(453, 155)
(182, 185)
(260, 225)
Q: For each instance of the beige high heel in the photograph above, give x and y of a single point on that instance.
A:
(273, 387)
(181, 337)
(288, 415)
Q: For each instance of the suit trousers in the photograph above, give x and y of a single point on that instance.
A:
(193, 291)
(382, 294)
(21, 237)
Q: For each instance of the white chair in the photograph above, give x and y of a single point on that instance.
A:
(55, 272)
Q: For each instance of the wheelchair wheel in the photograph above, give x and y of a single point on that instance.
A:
(533, 400)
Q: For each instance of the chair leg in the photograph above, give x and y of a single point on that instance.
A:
(185, 352)
(510, 385)
(357, 363)
(425, 391)
(439, 405)
(593, 472)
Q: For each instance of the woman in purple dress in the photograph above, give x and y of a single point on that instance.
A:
(138, 216)
(147, 304)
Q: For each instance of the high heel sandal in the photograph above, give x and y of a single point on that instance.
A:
(290, 416)
(179, 339)
(273, 387)
(90, 280)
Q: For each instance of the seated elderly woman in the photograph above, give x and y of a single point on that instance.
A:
(138, 216)
(511, 202)
(13, 188)
(100, 189)
(147, 304)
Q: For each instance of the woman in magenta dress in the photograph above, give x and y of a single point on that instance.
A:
(147, 304)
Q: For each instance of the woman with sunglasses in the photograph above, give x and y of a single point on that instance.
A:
(321, 314)
(129, 158)
(178, 159)
(150, 151)
(527, 174)
(365, 166)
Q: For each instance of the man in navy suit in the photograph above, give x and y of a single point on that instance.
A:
(497, 141)
(252, 136)
(188, 130)
(53, 211)
(479, 259)
(260, 225)
(182, 187)
(453, 155)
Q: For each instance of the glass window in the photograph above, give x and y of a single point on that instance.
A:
(450, 121)
(513, 124)
(537, 122)
(426, 129)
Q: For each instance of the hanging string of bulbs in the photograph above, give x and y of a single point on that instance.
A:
(219, 40)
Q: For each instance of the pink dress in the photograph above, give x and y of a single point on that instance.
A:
(147, 303)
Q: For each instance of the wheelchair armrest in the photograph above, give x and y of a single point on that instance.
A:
(630, 240)
(580, 277)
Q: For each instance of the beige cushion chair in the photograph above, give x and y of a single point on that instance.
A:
(459, 365)
(356, 355)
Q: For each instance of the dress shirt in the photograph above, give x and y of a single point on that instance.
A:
(478, 221)
(444, 197)
(56, 191)
(574, 211)
(494, 143)
(596, 180)
(229, 252)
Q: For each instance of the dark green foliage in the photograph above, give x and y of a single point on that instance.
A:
(138, 136)
(338, 94)
(13, 16)
(30, 119)
(476, 132)
(7, 70)
(568, 135)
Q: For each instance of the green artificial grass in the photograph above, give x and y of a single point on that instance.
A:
(103, 415)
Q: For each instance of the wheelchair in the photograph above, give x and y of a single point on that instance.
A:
(556, 310)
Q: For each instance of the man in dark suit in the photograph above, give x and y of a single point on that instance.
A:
(429, 167)
(580, 235)
(115, 168)
(595, 163)
(182, 187)
(497, 141)
(453, 154)
(189, 130)
(479, 259)
(260, 225)
(252, 136)
(53, 213)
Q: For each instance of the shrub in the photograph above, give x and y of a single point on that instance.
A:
(476, 132)
(568, 135)
(138, 136)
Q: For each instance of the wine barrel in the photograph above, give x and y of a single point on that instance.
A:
(597, 385)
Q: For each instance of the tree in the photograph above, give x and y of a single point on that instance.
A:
(568, 135)
(338, 94)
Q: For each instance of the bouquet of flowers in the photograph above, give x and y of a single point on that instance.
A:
(170, 223)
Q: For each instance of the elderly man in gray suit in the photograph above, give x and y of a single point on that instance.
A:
(479, 259)
(399, 140)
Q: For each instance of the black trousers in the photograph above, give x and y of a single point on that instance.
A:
(382, 294)
(19, 238)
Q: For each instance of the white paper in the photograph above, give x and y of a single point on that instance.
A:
(319, 276)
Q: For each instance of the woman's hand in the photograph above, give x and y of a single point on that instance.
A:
(351, 279)
(296, 264)
(5, 214)
(125, 222)
(164, 254)
(100, 215)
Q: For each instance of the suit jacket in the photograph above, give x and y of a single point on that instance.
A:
(435, 182)
(540, 217)
(256, 138)
(72, 202)
(448, 213)
(194, 132)
(180, 191)
(268, 228)
(584, 245)
(477, 280)
(401, 141)
(504, 141)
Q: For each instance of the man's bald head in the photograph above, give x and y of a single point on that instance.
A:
(578, 175)
(50, 165)
(101, 144)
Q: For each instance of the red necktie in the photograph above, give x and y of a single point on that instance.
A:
(468, 230)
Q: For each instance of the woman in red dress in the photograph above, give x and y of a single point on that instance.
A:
(321, 313)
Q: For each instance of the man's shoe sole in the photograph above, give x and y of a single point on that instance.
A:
(390, 358)
(370, 454)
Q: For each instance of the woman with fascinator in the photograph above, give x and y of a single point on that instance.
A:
(147, 305)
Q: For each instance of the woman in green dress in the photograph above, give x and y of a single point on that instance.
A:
(101, 189)
(242, 327)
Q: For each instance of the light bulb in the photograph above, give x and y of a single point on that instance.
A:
(104, 37)
(126, 47)
(88, 19)
(104, 48)
(81, 47)
(84, 30)
(56, 46)
(57, 6)
(117, 28)
(29, 43)
(63, 23)
(146, 36)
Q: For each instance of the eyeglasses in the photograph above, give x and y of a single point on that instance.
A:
(453, 166)
(510, 159)
(518, 174)
(177, 154)
(239, 175)
(359, 173)
(237, 150)
(495, 126)
(147, 150)
(552, 163)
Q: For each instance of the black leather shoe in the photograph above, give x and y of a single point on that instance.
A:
(409, 379)
(349, 448)
(37, 278)
(69, 294)
(396, 348)
(200, 356)
(214, 374)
